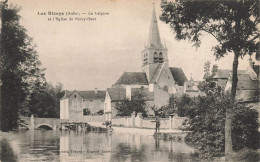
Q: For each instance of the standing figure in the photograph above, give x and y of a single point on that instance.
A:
(157, 125)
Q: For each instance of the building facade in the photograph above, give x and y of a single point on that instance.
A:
(77, 104)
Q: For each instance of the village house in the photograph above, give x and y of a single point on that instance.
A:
(191, 88)
(156, 79)
(75, 105)
(248, 85)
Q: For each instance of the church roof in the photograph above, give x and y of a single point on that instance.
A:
(178, 75)
(88, 95)
(133, 78)
(119, 94)
(154, 40)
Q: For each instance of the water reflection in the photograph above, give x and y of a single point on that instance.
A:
(42, 145)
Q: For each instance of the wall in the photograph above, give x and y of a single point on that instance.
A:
(161, 97)
(75, 106)
(93, 118)
(166, 79)
(64, 109)
(140, 122)
(93, 105)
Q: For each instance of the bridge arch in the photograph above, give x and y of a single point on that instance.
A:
(24, 125)
(46, 126)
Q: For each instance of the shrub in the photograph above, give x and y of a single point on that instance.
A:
(207, 123)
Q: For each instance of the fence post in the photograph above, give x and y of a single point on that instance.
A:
(139, 119)
(133, 119)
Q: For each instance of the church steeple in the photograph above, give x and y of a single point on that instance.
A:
(154, 55)
(154, 40)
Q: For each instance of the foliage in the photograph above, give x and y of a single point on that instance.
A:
(206, 70)
(46, 103)
(6, 151)
(20, 68)
(207, 120)
(246, 155)
(182, 105)
(136, 104)
(232, 23)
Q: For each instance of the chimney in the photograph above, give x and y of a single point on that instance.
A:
(96, 90)
(191, 77)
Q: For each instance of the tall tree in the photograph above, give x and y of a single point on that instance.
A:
(232, 23)
(20, 68)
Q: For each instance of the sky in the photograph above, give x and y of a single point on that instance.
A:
(83, 55)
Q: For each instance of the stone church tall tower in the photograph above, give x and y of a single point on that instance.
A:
(154, 53)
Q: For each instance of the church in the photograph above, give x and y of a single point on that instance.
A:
(156, 80)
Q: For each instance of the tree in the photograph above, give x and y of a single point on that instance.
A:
(46, 103)
(136, 104)
(232, 23)
(206, 121)
(206, 70)
(20, 69)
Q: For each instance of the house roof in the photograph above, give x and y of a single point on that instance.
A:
(88, 95)
(133, 78)
(224, 74)
(117, 94)
(178, 75)
(246, 83)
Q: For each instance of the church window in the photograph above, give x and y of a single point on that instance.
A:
(155, 59)
(155, 54)
(160, 57)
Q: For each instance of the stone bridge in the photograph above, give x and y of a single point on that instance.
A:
(34, 123)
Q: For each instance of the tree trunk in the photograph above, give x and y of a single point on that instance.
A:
(228, 122)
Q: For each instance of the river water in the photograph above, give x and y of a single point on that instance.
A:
(49, 145)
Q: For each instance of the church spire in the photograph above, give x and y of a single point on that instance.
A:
(154, 39)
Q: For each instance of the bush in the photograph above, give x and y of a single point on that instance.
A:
(246, 155)
(207, 125)
(136, 104)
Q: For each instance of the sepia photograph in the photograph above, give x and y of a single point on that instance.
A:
(129, 80)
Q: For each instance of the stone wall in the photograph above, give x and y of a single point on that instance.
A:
(140, 122)
(93, 118)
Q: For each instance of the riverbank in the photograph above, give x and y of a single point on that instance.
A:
(144, 131)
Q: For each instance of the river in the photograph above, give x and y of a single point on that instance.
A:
(49, 145)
